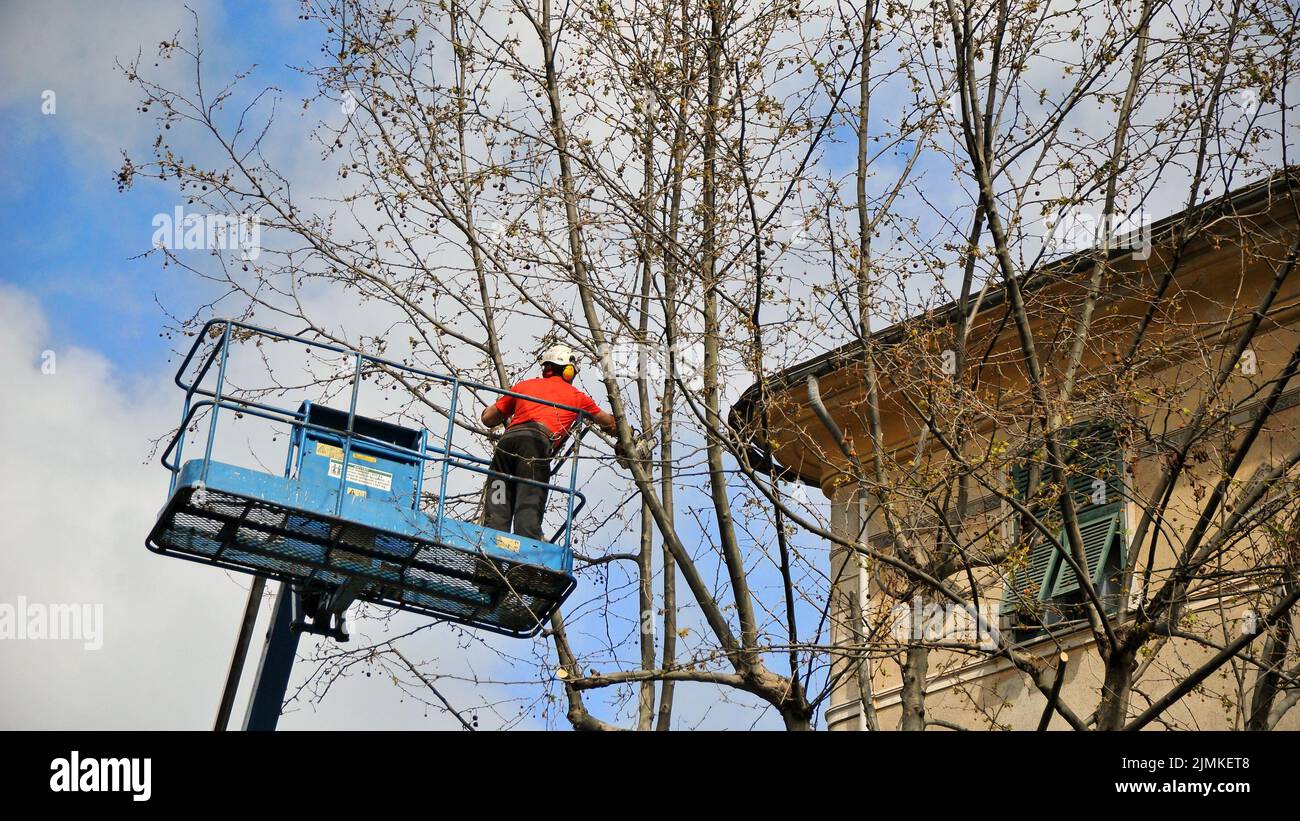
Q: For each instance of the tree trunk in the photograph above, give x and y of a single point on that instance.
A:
(1112, 712)
(915, 668)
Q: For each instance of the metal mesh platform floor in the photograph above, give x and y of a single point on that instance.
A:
(255, 535)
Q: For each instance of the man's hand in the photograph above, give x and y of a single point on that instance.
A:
(621, 452)
(607, 423)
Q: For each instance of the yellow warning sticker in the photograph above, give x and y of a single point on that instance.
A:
(507, 543)
(335, 452)
(356, 491)
(362, 475)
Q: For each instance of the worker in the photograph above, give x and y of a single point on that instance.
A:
(534, 432)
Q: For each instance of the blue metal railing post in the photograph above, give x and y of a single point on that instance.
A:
(446, 455)
(573, 484)
(419, 474)
(295, 444)
(188, 405)
(347, 441)
(218, 395)
(180, 443)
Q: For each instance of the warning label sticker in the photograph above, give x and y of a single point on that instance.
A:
(362, 475)
(334, 452)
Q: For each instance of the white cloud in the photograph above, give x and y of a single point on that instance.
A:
(80, 494)
(78, 503)
(69, 48)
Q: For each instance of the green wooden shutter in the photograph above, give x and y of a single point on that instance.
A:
(1028, 582)
(1093, 454)
(1099, 527)
(1020, 478)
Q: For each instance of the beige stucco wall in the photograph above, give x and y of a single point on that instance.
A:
(969, 690)
(990, 695)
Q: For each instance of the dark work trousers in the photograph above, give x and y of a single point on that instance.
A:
(523, 451)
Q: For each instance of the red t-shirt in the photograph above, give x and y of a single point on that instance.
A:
(553, 389)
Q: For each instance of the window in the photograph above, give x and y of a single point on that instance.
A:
(1044, 589)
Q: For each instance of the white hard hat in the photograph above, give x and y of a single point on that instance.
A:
(560, 355)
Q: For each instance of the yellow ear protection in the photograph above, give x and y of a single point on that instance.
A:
(567, 373)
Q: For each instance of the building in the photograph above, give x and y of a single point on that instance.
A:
(960, 427)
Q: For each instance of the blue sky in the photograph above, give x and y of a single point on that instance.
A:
(70, 236)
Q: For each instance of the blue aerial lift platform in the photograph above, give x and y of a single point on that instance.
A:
(333, 535)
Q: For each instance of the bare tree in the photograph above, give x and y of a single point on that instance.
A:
(697, 195)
